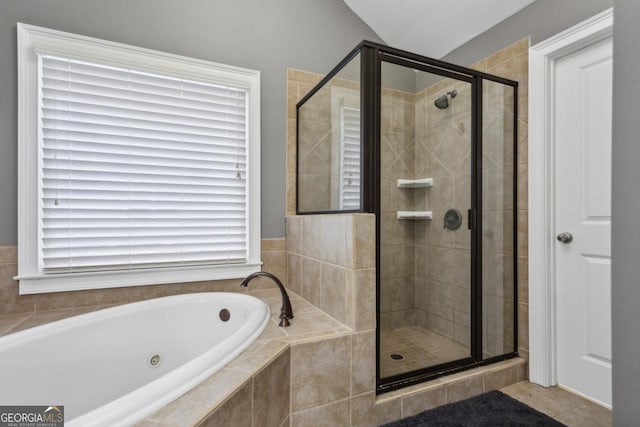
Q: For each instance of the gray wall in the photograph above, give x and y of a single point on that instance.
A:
(541, 19)
(626, 207)
(393, 76)
(268, 36)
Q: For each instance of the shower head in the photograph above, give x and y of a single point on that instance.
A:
(443, 101)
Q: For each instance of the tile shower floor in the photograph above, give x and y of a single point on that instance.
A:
(419, 348)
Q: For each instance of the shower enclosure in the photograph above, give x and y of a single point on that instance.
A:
(429, 147)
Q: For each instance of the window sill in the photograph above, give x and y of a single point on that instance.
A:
(41, 283)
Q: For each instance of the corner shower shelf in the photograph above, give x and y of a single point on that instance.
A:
(414, 214)
(415, 183)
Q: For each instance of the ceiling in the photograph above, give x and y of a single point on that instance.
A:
(432, 27)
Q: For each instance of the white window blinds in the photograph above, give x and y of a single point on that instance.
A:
(350, 158)
(138, 169)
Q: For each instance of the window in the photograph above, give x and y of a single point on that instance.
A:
(349, 158)
(136, 167)
(345, 147)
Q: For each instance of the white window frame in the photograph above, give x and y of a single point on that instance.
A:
(34, 40)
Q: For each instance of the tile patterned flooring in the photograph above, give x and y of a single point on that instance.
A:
(564, 406)
(420, 347)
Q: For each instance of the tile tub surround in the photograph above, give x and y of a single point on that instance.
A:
(273, 258)
(316, 372)
(260, 374)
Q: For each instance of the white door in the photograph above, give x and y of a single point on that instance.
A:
(583, 210)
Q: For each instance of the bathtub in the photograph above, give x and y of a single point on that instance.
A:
(114, 367)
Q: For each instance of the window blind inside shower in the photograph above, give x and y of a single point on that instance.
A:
(139, 169)
(350, 159)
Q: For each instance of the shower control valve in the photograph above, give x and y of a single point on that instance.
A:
(452, 219)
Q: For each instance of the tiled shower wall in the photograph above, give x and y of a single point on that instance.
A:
(398, 243)
(443, 150)
(315, 151)
(299, 83)
(273, 257)
(497, 221)
(511, 62)
(413, 299)
(398, 305)
(319, 142)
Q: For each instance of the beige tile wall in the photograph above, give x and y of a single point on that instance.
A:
(319, 143)
(434, 295)
(511, 62)
(331, 263)
(498, 230)
(443, 150)
(333, 380)
(397, 239)
(262, 401)
(299, 83)
(273, 257)
(315, 152)
(397, 299)
(441, 267)
(368, 410)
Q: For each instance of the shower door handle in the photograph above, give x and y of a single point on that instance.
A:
(565, 237)
(471, 219)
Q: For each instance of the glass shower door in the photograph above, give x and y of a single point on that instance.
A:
(426, 144)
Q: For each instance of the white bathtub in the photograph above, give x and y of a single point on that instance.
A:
(98, 364)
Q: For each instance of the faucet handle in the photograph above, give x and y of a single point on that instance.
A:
(284, 321)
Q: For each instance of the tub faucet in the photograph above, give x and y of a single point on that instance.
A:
(286, 312)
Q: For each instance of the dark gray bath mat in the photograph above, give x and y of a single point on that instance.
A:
(491, 409)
